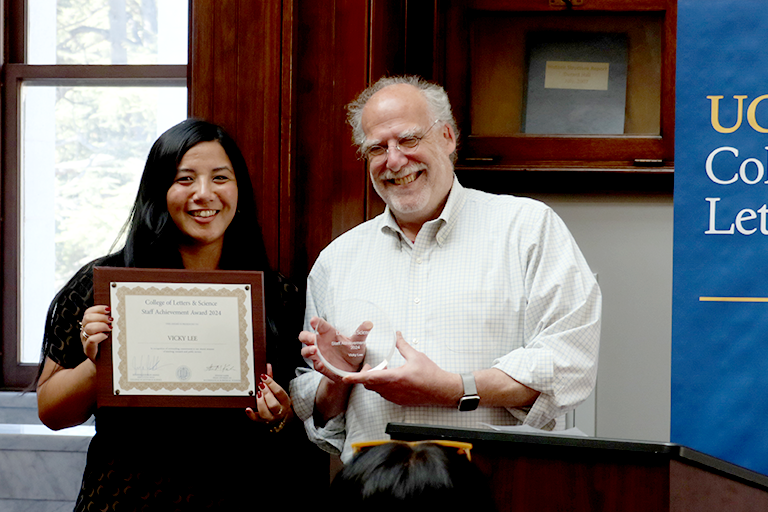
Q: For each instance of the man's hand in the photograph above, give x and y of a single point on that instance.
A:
(418, 382)
(342, 352)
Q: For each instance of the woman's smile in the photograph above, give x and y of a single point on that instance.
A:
(203, 214)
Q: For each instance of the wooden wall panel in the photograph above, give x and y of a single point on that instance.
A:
(388, 23)
(288, 182)
(258, 100)
(387, 58)
(201, 58)
(330, 70)
(235, 81)
(402, 42)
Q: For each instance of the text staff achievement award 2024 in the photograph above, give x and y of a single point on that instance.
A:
(180, 338)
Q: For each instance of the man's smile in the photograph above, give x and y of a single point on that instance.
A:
(406, 179)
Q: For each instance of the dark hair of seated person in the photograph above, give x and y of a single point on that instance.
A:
(398, 477)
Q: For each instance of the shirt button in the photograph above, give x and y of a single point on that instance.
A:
(417, 300)
(418, 261)
(415, 341)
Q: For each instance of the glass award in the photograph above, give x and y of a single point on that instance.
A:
(361, 333)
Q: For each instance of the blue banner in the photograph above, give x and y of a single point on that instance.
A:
(720, 290)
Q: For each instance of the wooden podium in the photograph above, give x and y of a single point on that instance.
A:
(563, 473)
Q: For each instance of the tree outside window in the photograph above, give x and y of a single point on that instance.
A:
(100, 80)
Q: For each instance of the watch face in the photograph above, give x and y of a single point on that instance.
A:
(469, 403)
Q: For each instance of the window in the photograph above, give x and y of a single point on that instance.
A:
(88, 87)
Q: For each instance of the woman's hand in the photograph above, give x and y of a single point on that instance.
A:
(273, 404)
(94, 328)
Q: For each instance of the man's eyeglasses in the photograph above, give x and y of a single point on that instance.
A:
(463, 448)
(406, 145)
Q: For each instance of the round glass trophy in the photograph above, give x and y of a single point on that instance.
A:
(362, 333)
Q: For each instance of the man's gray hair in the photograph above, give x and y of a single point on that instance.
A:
(438, 104)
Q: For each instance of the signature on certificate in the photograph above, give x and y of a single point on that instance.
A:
(226, 367)
(144, 367)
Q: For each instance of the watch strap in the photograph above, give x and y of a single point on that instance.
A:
(470, 387)
(471, 400)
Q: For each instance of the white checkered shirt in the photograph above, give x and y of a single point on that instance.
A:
(494, 282)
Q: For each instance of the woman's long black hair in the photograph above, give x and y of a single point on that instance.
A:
(153, 238)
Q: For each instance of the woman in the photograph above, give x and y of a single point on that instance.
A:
(194, 210)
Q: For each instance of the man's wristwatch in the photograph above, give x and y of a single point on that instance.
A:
(471, 399)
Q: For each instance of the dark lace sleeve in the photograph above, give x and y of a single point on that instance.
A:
(61, 341)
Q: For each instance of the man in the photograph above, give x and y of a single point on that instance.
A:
(487, 292)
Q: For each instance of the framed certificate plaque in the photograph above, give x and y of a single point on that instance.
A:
(180, 338)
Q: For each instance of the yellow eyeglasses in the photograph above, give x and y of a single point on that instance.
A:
(461, 447)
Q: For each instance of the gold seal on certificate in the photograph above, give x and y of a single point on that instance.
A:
(362, 333)
(180, 338)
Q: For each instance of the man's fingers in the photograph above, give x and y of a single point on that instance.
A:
(361, 333)
(355, 378)
(404, 347)
(308, 352)
(322, 327)
(307, 338)
(367, 377)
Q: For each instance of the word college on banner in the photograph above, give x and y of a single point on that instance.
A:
(720, 291)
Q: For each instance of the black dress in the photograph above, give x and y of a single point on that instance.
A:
(182, 459)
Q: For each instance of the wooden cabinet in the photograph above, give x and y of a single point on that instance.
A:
(481, 52)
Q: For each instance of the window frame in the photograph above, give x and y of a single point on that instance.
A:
(15, 72)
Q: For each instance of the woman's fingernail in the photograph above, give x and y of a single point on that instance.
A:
(262, 385)
(263, 377)
(258, 395)
(107, 309)
(110, 319)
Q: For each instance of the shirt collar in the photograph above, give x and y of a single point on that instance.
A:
(446, 220)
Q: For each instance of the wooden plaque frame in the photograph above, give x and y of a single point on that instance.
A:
(105, 395)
